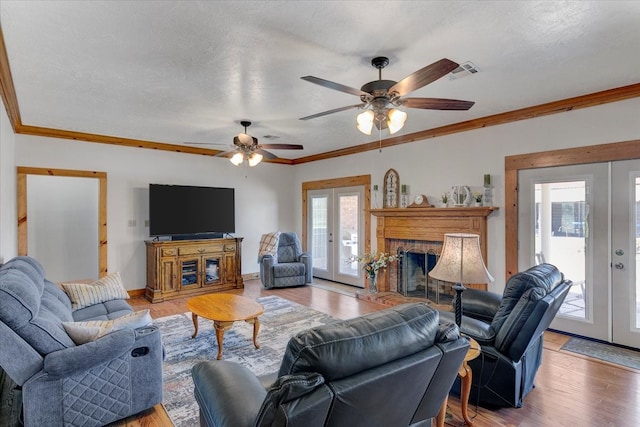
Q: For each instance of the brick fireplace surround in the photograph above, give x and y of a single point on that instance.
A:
(422, 229)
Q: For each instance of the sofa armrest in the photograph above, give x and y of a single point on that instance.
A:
(306, 259)
(217, 385)
(481, 305)
(66, 362)
(266, 271)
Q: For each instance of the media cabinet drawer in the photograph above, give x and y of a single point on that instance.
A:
(169, 251)
(229, 248)
(197, 250)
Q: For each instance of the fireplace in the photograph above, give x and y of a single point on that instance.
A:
(421, 230)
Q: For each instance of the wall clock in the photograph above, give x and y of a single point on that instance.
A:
(391, 189)
(420, 201)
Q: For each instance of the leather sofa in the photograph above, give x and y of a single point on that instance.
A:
(509, 328)
(58, 382)
(394, 367)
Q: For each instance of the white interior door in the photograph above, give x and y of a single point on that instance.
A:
(584, 220)
(625, 242)
(335, 229)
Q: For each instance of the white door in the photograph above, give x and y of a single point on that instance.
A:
(625, 256)
(335, 230)
(579, 218)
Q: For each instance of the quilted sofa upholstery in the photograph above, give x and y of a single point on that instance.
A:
(64, 384)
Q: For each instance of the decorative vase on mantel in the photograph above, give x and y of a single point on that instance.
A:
(373, 286)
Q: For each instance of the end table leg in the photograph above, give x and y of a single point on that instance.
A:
(442, 413)
(465, 390)
(195, 324)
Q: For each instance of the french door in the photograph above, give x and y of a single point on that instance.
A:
(335, 231)
(584, 219)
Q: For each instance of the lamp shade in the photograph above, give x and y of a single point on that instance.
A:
(461, 260)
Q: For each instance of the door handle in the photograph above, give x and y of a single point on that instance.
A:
(619, 265)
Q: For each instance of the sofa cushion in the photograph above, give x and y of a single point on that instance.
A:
(83, 332)
(289, 269)
(103, 311)
(104, 289)
(386, 335)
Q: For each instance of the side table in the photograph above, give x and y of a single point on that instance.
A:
(466, 377)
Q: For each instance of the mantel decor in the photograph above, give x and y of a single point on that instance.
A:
(391, 196)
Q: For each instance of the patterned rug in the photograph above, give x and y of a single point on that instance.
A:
(281, 320)
(608, 353)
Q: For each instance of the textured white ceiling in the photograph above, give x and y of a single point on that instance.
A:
(190, 71)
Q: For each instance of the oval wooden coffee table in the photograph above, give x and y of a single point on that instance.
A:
(224, 309)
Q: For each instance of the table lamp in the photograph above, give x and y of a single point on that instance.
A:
(461, 262)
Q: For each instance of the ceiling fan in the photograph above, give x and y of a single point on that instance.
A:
(247, 148)
(380, 97)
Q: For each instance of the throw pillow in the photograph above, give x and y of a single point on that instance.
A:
(84, 332)
(104, 289)
(268, 245)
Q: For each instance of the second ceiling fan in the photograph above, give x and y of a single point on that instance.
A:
(380, 97)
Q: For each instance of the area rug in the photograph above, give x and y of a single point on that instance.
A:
(281, 320)
(608, 353)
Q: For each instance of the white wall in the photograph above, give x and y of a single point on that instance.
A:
(268, 197)
(8, 210)
(432, 166)
(263, 194)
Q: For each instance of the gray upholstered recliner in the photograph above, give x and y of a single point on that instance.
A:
(388, 368)
(289, 267)
(509, 328)
(61, 383)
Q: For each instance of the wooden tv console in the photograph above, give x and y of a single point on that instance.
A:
(182, 268)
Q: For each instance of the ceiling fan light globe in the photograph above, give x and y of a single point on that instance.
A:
(365, 122)
(255, 159)
(236, 159)
(395, 120)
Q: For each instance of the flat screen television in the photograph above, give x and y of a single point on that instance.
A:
(182, 210)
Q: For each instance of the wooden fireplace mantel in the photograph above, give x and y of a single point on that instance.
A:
(428, 224)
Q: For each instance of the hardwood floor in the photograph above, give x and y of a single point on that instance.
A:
(571, 390)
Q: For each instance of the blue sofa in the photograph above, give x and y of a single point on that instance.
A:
(61, 383)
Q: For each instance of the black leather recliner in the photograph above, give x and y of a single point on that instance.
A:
(394, 367)
(509, 328)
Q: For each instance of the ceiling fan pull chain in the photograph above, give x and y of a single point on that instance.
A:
(380, 139)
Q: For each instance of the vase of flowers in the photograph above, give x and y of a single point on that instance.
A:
(371, 263)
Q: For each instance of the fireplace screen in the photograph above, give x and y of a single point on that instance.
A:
(413, 279)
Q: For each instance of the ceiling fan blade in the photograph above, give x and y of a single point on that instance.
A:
(436, 103)
(335, 110)
(423, 76)
(226, 153)
(266, 154)
(282, 146)
(334, 86)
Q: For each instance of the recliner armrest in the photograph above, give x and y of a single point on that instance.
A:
(481, 305)
(66, 362)
(218, 385)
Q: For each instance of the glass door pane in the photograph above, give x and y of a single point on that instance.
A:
(319, 232)
(561, 229)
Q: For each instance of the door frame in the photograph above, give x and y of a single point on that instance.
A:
(625, 150)
(349, 181)
(23, 171)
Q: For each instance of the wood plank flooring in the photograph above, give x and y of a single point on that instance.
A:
(571, 390)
